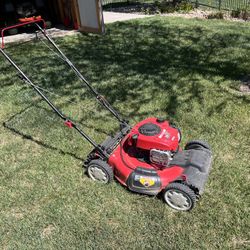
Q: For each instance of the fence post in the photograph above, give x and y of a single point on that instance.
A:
(219, 5)
(197, 4)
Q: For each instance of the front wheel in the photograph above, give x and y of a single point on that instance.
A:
(99, 170)
(179, 197)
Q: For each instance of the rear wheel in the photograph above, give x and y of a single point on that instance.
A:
(99, 170)
(197, 144)
(179, 197)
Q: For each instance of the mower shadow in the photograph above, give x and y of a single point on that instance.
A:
(7, 125)
(18, 122)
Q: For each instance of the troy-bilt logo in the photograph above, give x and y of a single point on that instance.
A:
(165, 134)
(147, 182)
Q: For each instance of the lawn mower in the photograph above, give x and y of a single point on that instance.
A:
(146, 158)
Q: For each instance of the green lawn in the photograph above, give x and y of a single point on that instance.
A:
(185, 70)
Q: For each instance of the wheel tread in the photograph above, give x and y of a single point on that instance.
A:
(183, 188)
(104, 166)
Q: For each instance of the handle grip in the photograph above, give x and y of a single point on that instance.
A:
(20, 25)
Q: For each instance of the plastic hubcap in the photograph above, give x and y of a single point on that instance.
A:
(98, 174)
(178, 200)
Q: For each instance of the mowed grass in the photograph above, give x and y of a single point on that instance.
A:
(185, 70)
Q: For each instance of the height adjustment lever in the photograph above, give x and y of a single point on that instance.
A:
(69, 124)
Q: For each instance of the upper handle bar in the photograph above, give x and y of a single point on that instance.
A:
(20, 25)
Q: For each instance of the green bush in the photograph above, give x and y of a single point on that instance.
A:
(185, 6)
(216, 15)
(245, 15)
(241, 13)
(236, 13)
(166, 6)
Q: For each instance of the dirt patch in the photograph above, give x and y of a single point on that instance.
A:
(240, 243)
(47, 231)
(245, 88)
(245, 85)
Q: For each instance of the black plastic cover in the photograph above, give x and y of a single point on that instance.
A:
(144, 181)
(197, 164)
(150, 129)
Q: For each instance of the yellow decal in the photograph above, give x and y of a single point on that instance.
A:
(147, 182)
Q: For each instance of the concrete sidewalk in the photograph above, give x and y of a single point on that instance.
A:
(24, 37)
(111, 17)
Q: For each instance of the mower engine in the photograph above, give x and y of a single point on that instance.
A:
(160, 157)
(157, 139)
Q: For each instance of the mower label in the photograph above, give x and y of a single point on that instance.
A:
(147, 182)
(165, 134)
(144, 181)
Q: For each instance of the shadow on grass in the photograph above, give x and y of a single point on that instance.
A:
(7, 125)
(138, 62)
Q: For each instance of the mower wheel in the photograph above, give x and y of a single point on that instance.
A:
(197, 144)
(179, 196)
(99, 170)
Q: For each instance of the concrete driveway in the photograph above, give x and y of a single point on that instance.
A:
(111, 17)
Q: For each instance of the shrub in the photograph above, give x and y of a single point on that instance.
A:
(245, 15)
(236, 13)
(166, 6)
(216, 15)
(185, 6)
(241, 13)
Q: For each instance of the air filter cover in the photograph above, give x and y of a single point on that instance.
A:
(150, 129)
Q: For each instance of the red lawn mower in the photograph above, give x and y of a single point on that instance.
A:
(146, 158)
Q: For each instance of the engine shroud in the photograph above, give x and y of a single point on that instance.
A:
(154, 133)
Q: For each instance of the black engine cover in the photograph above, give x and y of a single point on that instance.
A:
(150, 129)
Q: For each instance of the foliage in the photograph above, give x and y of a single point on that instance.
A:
(185, 6)
(236, 13)
(245, 14)
(241, 13)
(166, 6)
(216, 15)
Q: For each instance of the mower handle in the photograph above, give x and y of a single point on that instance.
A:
(20, 25)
